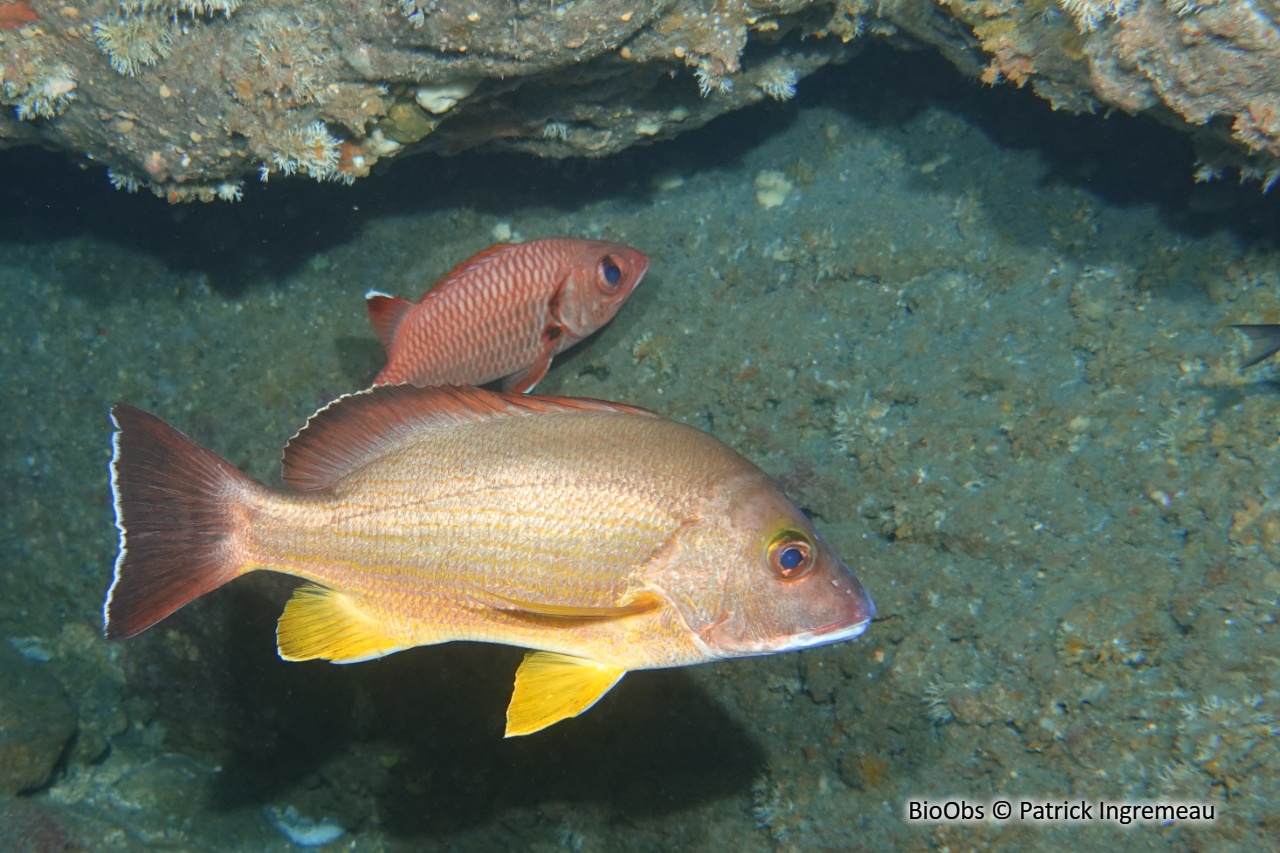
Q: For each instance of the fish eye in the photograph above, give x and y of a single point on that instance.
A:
(610, 272)
(790, 556)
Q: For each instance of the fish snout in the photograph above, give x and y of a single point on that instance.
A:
(827, 605)
(844, 601)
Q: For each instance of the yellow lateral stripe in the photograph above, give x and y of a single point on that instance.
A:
(328, 561)
(501, 517)
(554, 586)
(493, 556)
(524, 542)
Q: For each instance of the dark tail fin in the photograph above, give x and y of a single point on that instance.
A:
(1264, 340)
(176, 509)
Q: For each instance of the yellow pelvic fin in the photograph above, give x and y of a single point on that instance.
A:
(322, 623)
(552, 687)
(643, 602)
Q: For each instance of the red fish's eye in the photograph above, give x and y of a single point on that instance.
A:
(791, 558)
(610, 272)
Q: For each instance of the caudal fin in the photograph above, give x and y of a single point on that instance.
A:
(176, 509)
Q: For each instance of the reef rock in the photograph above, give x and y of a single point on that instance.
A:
(37, 721)
(188, 97)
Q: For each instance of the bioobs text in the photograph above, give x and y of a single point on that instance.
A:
(951, 810)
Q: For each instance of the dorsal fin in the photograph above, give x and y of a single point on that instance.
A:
(386, 313)
(356, 428)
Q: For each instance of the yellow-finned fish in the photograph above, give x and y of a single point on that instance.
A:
(602, 536)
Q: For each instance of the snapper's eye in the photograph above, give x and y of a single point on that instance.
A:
(610, 273)
(790, 556)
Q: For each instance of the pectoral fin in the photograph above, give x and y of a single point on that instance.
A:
(552, 687)
(1264, 340)
(641, 603)
(523, 382)
(323, 623)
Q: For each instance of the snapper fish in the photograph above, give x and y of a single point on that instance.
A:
(504, 313)
(602, 537)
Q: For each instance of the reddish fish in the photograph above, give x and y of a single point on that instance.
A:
(602, 536)
(505, 313)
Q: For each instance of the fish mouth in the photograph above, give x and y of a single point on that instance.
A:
(837, 632)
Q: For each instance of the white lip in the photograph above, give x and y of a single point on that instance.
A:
(809, 639)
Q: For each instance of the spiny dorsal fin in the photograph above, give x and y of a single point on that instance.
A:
(386, 313)
(552, 687)
(322, 623)
(356, 428)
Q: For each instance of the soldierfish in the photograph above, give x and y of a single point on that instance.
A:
(505, 312)
(601, 536)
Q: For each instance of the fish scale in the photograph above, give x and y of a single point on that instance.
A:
(538, 497)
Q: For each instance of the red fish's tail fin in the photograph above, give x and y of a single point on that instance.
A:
(176, 507)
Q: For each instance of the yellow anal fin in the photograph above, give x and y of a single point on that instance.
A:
(323, 623)
(642, 603)
(552, 687)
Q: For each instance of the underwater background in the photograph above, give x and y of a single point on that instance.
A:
(986, 346)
